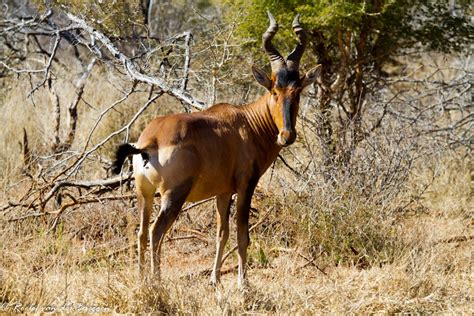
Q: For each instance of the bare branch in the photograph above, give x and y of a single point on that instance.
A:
(48, 64)
(132, 70)
(187, 60)
(53, 96)
(110, 182)
(78, 163)
(260, 221)
(104, 112)
(72, 119)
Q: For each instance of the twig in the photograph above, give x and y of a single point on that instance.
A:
(78, 163)
(288, 166)
(207, 272)
(48, 64)
(110, 182)
(53, 96)
(72, 110)
(132, 70)
(453, 239)
(187, 60)
(187, 208)
(310, 262)
(205, 240)
(107, 256)
(102, 114)
(228, 253)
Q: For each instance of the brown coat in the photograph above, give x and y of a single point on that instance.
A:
(218, 149)
(217, 152)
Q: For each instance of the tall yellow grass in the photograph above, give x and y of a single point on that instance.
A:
(318, 250)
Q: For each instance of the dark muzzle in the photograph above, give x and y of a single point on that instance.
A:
(286, 137)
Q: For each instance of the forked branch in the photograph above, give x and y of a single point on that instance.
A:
(131, 69)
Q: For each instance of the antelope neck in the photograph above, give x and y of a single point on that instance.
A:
(261, 123)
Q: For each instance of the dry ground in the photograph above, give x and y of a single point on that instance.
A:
(89, 264)
(315, 250)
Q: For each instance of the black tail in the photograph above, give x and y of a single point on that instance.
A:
(123, 152)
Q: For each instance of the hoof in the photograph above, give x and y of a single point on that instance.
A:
(243, 285)
(214, 281)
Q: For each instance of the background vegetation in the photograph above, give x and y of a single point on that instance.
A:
(370, 211)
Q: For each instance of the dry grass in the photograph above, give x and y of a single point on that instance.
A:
(71, 269)
(318, 249)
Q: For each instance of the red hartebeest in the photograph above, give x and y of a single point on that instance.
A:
(222, 150)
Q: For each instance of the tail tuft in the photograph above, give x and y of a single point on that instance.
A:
(123, 152)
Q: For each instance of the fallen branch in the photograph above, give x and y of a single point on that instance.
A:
(207, 272)
(453, 240)
(134, 245)
(15, 204)
(310, 262)
(107, 256)
(17, 219)
(86, 201)
(110, 183)
(205, 240)
(78, 201)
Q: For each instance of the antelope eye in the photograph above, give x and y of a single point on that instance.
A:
(274, 93)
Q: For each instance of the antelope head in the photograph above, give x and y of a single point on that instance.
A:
(286, 83)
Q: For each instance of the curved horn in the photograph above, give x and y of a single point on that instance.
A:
(294, 57)
(276, 60)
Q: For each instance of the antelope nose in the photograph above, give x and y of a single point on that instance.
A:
(286, 138)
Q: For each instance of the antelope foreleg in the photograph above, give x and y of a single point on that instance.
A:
(244, 198)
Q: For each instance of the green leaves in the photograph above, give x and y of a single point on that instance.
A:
(392, 25)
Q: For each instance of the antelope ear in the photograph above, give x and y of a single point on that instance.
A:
(262, 78)
(311, 76)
